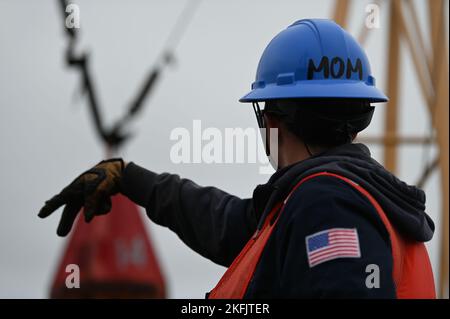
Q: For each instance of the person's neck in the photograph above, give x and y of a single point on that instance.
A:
(296, 152)
(292, 154)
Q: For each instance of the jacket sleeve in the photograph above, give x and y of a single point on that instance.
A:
(325, 203)
(212, 222)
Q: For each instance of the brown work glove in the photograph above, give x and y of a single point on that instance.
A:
(92, 190)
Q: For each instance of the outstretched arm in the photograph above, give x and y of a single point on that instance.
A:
(210, 221)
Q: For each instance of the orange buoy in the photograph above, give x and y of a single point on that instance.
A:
(114, 256)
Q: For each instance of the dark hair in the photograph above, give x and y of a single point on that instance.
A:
(322, 122)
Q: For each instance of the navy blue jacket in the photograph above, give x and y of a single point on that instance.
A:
(217, 225)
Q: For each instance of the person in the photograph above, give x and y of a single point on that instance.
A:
(331, 222)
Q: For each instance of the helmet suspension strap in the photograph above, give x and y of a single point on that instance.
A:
(262, 125)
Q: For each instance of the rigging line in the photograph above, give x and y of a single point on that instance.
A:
(165, 58)
(114, 137)
(174, 37)
(81, 63)
(71, 32)
(181, 24)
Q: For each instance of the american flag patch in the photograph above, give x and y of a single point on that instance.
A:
(332, 244)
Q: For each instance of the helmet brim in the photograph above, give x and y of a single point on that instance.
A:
(317, 89)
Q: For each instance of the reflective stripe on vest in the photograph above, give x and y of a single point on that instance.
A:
(412, 272)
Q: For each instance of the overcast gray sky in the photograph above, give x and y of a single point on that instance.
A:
(47, 138)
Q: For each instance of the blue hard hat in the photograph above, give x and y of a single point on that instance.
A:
(314, 58)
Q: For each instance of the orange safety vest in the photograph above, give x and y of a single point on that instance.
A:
(412, 272)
